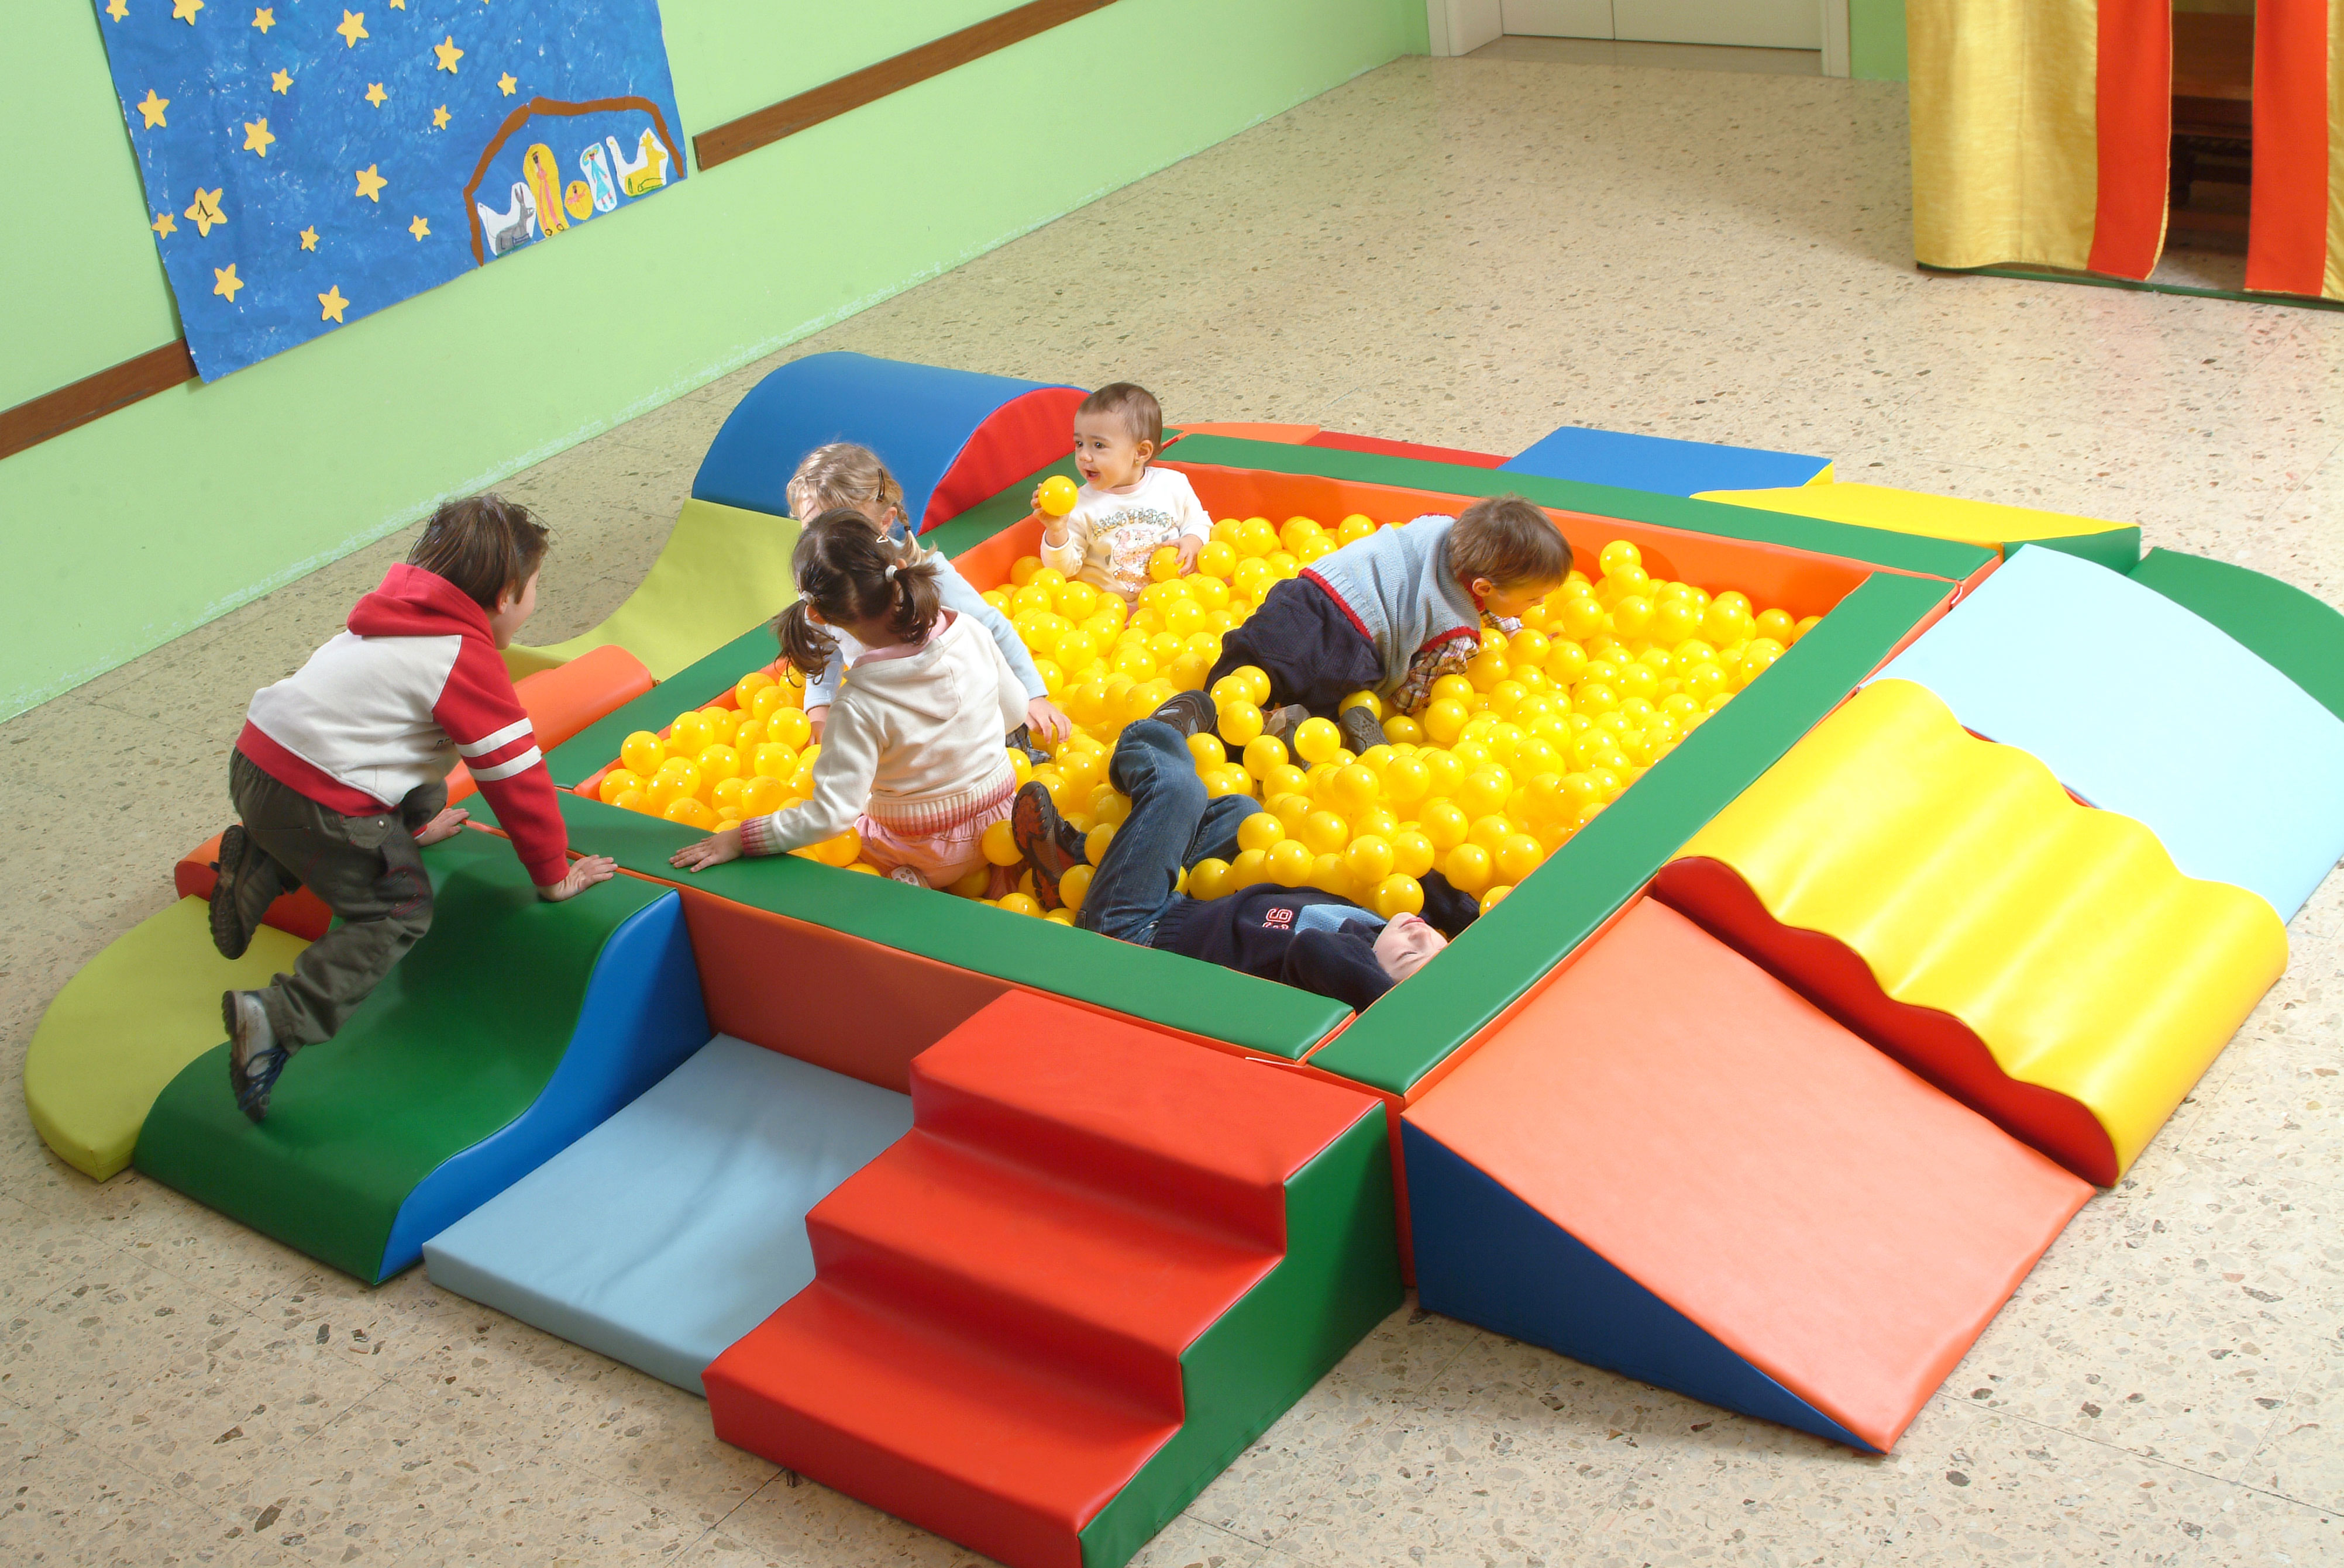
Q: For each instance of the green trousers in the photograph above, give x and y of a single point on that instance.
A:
(366, 870)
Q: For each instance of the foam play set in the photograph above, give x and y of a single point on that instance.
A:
(1820, 829)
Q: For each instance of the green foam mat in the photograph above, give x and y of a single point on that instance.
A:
(2297, 635)
(1418, 1025)
(456, 1044)
(1872, 546)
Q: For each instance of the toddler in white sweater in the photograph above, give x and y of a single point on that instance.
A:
(1126, 510)
(912, 756)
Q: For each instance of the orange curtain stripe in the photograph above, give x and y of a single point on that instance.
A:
(2135, 104)
(2287, 239)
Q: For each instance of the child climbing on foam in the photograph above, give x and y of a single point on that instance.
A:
(844, 474)
(1126, 509)
(912, 758)
(341, 773)
(1393, 612)
(1300, 937)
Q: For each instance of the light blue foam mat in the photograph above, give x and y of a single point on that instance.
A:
(2140, 707)
(1659, 463)
(679, 1224)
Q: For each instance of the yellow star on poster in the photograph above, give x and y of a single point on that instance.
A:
(419, 227)
(309, 237)
(225, 282)
(152, 107)
(205, 211)
(399, 4)
(282, 81)
(375, 94)
(257, 137)
(449, 54)
(353, 28)
(164, 225)
(264, 18)
(370, 184)
(439, 118)
(505, 84)
(334, 304)
(185, 11)
(118, 9)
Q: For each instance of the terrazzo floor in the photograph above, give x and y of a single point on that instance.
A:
(1467, 252)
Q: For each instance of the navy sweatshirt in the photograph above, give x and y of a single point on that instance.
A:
(1258, 931)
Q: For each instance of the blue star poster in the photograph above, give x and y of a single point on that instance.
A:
(308, 163)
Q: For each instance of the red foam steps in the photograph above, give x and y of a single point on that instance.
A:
(1037, 1268)
(992, 1344)
(985, 1450)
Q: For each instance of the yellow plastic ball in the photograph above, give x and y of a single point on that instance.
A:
(1618, 555)
(1288, 862)
(1074, 885)
(1399, 730)
(1163, 564)
(1000, 845)
(1250, 866)
(762, 796)
(1208, 879)
(1316, 739)
(1353, 528)
(1517, 856)
(632, 800)
(693, 812)
(1412, 853)
(1057, 497)
(718, 763)
(1485, 790)
(1369, 859)
(1352, 790)
(643, 753)
(1021, 904)
(1329, 875)
(1444, 720)
(617, 782)
(1324, 831)
(1261, 831)
(789, 726)
(1265, 755)
(690, 735)
(1217, 560)
(1443, 823)
(1095, 842)
(725, 796)
(1495, 895)
(1240, 723)
(1469, 869)
(1396, 895)
(1205, 751)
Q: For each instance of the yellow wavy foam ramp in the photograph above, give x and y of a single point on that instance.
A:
(1971, 885)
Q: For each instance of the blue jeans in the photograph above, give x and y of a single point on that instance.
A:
(1172, 826)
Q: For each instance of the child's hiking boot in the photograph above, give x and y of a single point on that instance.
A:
(254, 1057)
(1360, 728)
(1189, 712)
(246, 885)
(1022, 739)
(1280, 723)
(1049, 845)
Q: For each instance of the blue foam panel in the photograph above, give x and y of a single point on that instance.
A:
(1658, 464)
(2139, 706)
(917, 418)
(1483, 1256)
(677, 1226)
(643, 1014)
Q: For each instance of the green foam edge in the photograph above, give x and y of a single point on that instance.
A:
(2299, 635)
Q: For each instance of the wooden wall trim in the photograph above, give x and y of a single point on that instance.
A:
(32, 422)
(720, 144)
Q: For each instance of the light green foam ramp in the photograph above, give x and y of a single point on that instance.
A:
(127, 1024)
(723, 571)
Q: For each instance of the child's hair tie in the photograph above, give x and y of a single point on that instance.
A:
(891, 573)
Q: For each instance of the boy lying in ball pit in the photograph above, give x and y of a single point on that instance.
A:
(1300, 936)
(1126, 510)
(843, 476)
(341, 773)
(912, 760)
(1393, 612)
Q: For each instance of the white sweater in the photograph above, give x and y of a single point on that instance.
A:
(913, 739)
(1110, 534)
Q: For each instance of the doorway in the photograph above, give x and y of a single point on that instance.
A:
(1748, 24)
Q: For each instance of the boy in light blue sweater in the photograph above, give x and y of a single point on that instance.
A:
(1393, 612)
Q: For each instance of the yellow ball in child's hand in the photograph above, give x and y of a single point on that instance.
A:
(1164, 565)
(1058, 495)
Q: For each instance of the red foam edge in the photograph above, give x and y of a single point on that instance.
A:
(1936, 1046)
(1015, 440)
(560, 703)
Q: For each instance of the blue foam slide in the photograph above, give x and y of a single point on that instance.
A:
(643, 1014)
(1483, 1256)
(677, 1226)
(1659, 464)
(917, 418)
(2139, 706)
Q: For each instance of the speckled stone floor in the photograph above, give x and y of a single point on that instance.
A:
(1467, 252)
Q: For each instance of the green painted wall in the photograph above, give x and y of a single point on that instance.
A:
(1876, 40)
(128, 531)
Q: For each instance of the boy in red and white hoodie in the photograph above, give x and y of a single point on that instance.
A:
(341, 773)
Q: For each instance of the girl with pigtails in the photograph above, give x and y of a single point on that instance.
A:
(911, 756)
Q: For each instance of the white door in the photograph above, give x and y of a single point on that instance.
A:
(1755, 24)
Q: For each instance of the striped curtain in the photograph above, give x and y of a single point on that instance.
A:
(2295, 240)
(2041, 131)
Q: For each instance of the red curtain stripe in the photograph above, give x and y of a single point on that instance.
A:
(2135, 110)
(2287, 236)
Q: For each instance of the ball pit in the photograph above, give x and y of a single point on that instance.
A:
(1541, 732)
